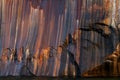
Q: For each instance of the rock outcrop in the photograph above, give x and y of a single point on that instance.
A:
(110, 66)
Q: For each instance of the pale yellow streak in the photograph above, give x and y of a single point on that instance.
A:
(41, 28)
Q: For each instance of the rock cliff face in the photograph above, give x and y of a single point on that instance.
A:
(110, 66)
(44, 37)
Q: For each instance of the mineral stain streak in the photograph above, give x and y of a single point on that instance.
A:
(33, 31)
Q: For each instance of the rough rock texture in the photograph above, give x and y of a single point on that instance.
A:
(110, 67)
(42, 37)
